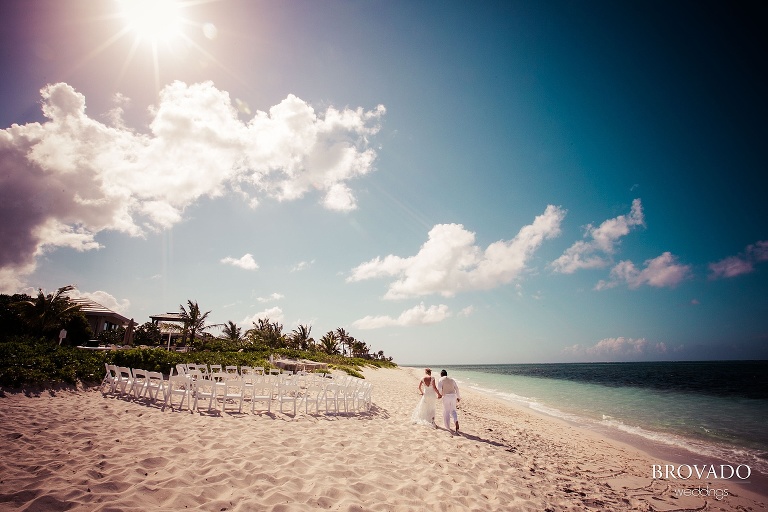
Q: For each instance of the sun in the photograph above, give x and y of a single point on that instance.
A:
(154, 30)
(152, 20)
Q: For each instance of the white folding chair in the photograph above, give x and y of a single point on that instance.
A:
(139, 383)
(203, 369)
(110, 378)
(313, 395)
(230, 390)
(258, 370)
(217, 373)
(330, 397)
(232, 370)
(155, 385)
(261, 390)
(178, 385)
(203, 389)
(301, 379)
(288, 392)
(363, 397)
(347, 394)
(124, 379)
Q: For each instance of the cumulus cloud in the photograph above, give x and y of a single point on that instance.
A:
(105, 299)
(65, 180)
(617, 349)
(417, 315)
(600, 242)
(741, 264)
(274, 314)
(245, 262)
(662, 271)
(449, 261)
(12, 278)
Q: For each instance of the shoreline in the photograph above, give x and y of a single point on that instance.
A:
(657, 452)
(79, 450)
(666, 453)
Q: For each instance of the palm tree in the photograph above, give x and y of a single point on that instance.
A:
(343, 336)
(358, 348)
(232, 332)
(47, 313)
(300, 337)
(329, 343)
(194, 321)
(268, 333)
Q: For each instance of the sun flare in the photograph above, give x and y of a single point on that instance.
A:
(153, 20)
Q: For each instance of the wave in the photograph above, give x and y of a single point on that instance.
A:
(757, 460)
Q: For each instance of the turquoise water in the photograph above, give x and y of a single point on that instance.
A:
(658, 403)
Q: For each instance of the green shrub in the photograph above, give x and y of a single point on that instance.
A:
(27, 361)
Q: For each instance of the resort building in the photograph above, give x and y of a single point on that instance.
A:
(100, 318)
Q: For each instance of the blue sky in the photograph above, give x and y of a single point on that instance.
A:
(486, 182)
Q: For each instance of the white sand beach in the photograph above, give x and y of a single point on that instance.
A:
(81, 450)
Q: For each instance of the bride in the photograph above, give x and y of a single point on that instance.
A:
(424, 413)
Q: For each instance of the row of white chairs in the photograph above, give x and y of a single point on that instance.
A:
(219, 372)
(313, 391)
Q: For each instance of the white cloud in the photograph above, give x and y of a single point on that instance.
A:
(274, 314)
(71, 177)
(617, 349)
(105, 299)
(601, 242)
(449, 262)
(339, 197)
(245, 262)
(467, 311)
(302, 265)
(12, 278)
(271, 297)
(662, 271)
(417, 315)
(742, 264)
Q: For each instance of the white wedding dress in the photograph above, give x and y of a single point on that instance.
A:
(424, 414)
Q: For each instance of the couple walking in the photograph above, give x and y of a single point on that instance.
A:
(445, 388)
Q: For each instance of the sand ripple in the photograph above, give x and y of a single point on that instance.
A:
(83, 451)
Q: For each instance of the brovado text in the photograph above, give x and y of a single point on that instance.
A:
(687, 471)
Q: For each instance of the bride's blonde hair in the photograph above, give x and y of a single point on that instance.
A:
(428, 371)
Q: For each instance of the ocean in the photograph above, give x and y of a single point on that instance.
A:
(713, 410)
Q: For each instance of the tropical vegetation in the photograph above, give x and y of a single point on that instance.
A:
(30, 354)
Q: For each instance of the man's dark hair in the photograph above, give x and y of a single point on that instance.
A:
(443, 373)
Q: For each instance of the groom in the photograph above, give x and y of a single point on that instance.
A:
(450, 391)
